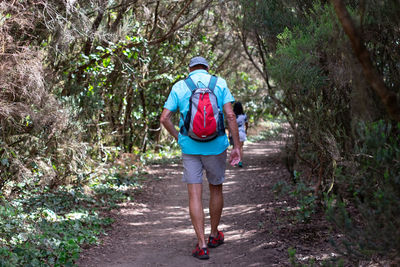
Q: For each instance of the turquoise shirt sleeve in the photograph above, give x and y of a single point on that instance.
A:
(226, 94)
(172, 101)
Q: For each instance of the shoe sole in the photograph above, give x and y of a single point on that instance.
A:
(216, 245)
(202, 257)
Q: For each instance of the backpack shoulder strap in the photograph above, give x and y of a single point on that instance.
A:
(212, 83)
(189, 82)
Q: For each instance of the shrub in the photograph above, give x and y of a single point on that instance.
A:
(368, 205)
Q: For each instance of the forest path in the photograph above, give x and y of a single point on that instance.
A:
(155, 229)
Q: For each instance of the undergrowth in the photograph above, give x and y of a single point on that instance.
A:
(304, 197)
(270, 128)
(169, 154)
(43, 227)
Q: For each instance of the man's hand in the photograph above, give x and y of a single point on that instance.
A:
(234, 157)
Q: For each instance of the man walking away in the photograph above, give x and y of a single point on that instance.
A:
(201, 100)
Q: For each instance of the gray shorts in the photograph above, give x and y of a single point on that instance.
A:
(214, 165)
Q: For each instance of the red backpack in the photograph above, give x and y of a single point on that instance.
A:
(204, 120)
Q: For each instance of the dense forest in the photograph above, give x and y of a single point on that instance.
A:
(83, 83)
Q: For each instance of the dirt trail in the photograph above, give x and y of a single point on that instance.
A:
(155, 229)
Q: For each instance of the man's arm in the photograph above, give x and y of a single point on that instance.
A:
(166, 121)
(233, 129)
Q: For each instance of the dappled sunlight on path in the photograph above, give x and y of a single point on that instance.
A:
(155, 229)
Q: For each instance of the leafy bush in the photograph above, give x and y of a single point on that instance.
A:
(306, 201)
(316, 100)
(368, 205)
(317, 83)
(48, 228)
(304, 196)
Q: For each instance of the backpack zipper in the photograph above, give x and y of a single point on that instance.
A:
(205, 113)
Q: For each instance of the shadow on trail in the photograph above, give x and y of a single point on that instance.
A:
(155, 230)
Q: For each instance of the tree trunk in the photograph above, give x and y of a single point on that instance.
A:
(146, 128)
(126, 128)
(388, 98)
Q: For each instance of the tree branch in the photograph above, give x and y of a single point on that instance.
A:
(174, 29)
(155, 20)
(261, 50)
(388, 97)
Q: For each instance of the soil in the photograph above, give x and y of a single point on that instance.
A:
(259, 226)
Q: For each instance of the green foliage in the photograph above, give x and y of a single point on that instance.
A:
(169, 154)
(292, 256)
(250, 92)
(371, 220)
(281, 188)
(318, 84)
(317, 108)
(119, 85)
(304, 196)
(306, 201)
(271, 128)
(81, 86)
(48, 228)
(269, 16)
(296, 67)
(41, 237)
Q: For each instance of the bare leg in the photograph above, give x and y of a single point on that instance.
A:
(196, 212)
(216, 205)
(241, 151)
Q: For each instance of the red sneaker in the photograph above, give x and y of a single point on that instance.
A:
(214, 242)
(200, 253)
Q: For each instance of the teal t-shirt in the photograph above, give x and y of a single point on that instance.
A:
(178, 99)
